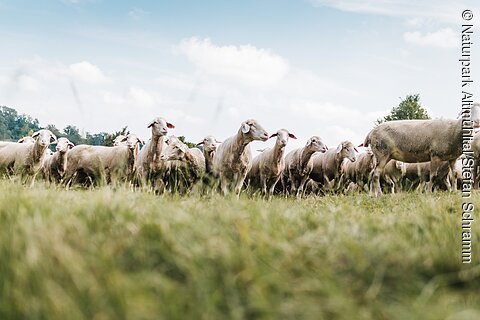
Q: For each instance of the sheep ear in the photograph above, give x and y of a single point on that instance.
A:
(35, 134)
(273, 135)
(170, 126)
(53, 139)
(291, 135)
(339, 148)
(218, 141)
(21, 140)
(139, 141)
(124, 139)
(199, 144)
(70, 145)
(355, 149)
(150, 124)
(309, 142)
(245, 127)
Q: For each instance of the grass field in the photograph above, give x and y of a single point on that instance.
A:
(116, 254)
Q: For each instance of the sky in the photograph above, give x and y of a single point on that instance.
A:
(315, 67)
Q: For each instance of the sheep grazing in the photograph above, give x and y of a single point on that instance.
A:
(233, 158)
(417, 141)
(268, 166)
(297, 170)
(25, 158)
(193, 160)
(149, 156)
(100, 164)
(326, 168)
(209, 144)
(55, 165)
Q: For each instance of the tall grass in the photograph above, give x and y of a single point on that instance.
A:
(117, 254)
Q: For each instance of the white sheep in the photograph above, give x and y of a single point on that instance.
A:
(102, 164)
(54, 165)
(297, 170)
(26, 139)
(326, 168)
(233, 158)
(119, 140)
(417, 141)
(149, 166)
(209, 144)
(192, 160)
(25, 158)
(268, 166)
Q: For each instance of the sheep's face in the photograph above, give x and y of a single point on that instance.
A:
(347, 150)
(131, 141)
(316, 144)
(119, 140)
(253, 130)
(160, 127)
(175, 151)
(63, 145)
(44, 138)
(282, 137)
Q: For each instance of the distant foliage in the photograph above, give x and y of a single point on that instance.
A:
(408, 109)
(14, 126)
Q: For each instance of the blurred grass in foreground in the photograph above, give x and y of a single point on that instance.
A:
(117, 254)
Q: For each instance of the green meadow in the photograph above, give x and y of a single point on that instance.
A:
(117, 254)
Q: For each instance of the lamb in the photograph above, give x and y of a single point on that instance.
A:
(417, 141)
(364, 167)
(297, 170)
(209, 144)
(54, 166)
(326, 167)
(348, 177)
(233, 158)
(25, 158)
(420, 173)
(102, 164)
(193, 160)
(268, 166)
(148, 161)
(393, 173)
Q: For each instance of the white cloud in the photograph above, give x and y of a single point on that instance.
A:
(87, 72)
(245, 63)
(137, 13)
(448, 12)
(140, 97)
(28, 83)
(443, 38)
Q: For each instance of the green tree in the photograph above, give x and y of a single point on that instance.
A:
(14, 126)
(188, 143)
(72, 134)
(110, 137)
(408, 109)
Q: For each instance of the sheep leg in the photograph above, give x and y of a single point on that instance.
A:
(375, 189)
(300, 187)
(434, 165)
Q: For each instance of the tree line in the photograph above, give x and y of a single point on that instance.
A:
(14, 126)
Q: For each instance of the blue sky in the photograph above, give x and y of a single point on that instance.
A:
(315, 67)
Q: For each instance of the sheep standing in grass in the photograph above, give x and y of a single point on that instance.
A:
(55, 165)
(348, 178)
(209, 144)
(25, 158)
(102, 164)
(417, 141)
(268, 166)
(148, 163)
(233, 158)
(297, 170)
(364, 167)
(392, 174)
(326, 167)
(192, 160)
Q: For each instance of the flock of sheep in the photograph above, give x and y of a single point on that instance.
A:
(425, 152)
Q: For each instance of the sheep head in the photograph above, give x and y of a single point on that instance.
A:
(44, 137)
(63, 145)
(160, 127)
(315, 144)
(282, 137)
(252, 130)
(347, 150)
